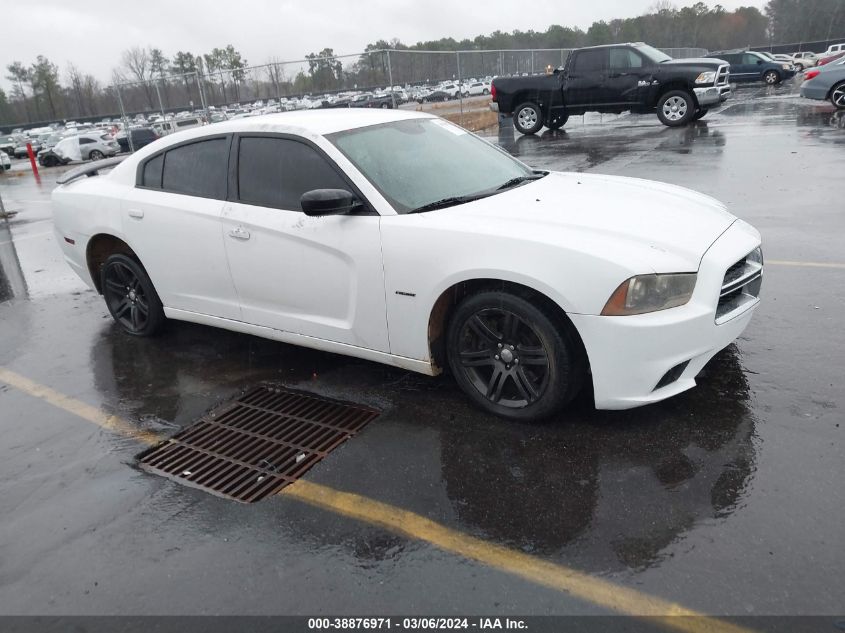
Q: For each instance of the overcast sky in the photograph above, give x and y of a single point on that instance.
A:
(92, 33)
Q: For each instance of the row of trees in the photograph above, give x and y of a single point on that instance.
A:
(149, 78)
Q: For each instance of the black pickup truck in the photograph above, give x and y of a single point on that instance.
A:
(614, 78)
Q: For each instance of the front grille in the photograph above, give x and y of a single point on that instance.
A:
(255, 446)
(723, 75)
(740, 287)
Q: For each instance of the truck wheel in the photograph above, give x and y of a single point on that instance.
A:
(675, 108)
(771, 77)
(699, 113)
(799, 68)
(528, 118)
(558, 122)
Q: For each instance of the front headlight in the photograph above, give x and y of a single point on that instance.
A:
(650, 293)
(755, 256)
(786, 66)
(706, 78)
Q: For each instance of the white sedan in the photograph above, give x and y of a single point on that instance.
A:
(400, 238)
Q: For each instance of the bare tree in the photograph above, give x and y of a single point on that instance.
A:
(137, 61)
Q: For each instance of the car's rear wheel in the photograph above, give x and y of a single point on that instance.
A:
(528, 118)
(771, 77)
(837, 96)
(130, 296)
(511, 358)
(96, 155)
(675, 108)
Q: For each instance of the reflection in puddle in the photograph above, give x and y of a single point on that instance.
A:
(610, 489)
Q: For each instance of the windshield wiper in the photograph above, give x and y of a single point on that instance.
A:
(513, 182)
(446, 202)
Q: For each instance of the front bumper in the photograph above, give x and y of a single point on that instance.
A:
(712, 95)
(630, 354)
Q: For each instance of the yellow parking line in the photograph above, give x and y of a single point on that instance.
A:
(76, 407)
(597, 591)
(785, 262)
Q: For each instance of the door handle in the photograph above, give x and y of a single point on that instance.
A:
(239, 233)
(136, 213)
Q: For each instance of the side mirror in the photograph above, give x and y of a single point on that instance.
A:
(320, 202)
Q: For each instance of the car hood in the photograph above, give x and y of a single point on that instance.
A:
(670, 226)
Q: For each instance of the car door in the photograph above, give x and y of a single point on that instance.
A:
(585, 79)
(172, 220)
(320, 277)
(628, 76)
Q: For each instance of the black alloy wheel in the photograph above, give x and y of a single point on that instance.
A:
(130, 296)
(511, 358)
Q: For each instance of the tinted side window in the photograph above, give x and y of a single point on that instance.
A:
(151, 176)
(591, 61)
(275, 172)
(198, 169)
(748, 58)
(85, 141)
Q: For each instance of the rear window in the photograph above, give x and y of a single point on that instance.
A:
(588, 61)
(198, 169)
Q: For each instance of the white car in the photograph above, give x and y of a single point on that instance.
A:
(804, 59)
(5, 161)
(400, 238)
(478, 88)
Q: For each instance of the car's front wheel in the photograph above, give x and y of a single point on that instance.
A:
(771, 77)
(130, 296)
(675, 108)
(837, 95)
(512, 358)
(528, 118)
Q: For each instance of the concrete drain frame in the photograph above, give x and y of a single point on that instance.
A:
(255, 445)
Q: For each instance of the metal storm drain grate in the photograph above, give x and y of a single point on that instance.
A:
(256, 445)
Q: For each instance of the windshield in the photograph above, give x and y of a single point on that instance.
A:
(653, 54)
(417, 162)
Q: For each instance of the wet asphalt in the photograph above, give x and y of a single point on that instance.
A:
(727, 499)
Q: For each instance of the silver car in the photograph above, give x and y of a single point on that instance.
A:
(826, 83)
(96, 146)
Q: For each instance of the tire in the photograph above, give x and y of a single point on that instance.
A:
(675, 108)
(837, 96)
(485, 92)
(771, 77)
(130, 296)
(384, 105)
(699, 113)
(558, 122)
(799, 68)
(96, 154)
(528, 118)
(488, 335)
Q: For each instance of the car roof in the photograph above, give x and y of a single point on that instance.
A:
(307, 122)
